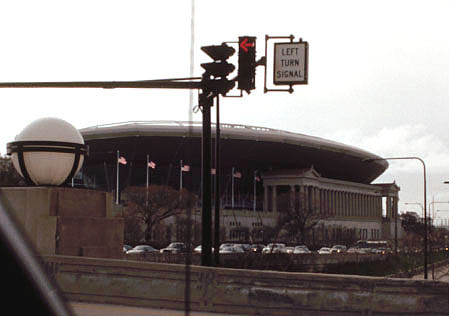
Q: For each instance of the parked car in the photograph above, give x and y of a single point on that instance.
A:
(126, 248)
(142, 249)
(197, 249)
(175, 247)
(227, 249)
(324, 251)
(384, 251)
(338, 249)
(364, 250)
(274, 248)
(289, 249)
(236, 248)
(246, 247)
(225, 245)
(353, 250)
(301, 250)
(257, 248)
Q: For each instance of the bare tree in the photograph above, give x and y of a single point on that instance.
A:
(8, 174)
(298, 217)
(151, 206)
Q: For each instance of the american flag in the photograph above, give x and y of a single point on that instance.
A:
(152, 164)
(122, 160)
(185, 168)
(257, 178)
(213, 171)
(237, 175)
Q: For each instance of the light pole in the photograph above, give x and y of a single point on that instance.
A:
(425, 200)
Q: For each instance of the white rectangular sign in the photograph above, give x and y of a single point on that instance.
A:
(290, 63)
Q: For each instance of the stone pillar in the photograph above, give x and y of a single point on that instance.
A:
(312, 197)
(379, 207)
(321, 192)
(326, 202)
(265, 198)
(362, 205)
(394, 207)
(345, 197)
(303, 196)
(339, 208)
(274, 200)
(331, 203)
(292, 196)
(388, 200)
(359, 204)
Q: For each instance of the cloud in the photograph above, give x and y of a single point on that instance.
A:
(401, 141)
(408, 141)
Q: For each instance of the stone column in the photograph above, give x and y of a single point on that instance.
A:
(362, 205)
(292, 196)
(359, 204)
(345, 195)
(273, 198)
(265, 198)
(311, 197)
(339, 208)
(378, 207)
(331, 203)
(321, 192)
(388, 207)
(354, 206)
(326, 202)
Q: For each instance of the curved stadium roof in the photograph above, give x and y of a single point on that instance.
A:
(244, 147)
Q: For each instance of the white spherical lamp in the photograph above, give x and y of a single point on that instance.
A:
(49, 151)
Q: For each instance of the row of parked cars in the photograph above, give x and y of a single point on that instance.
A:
(179, 247)
(175, 247)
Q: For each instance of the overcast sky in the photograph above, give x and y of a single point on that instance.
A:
(378, 71)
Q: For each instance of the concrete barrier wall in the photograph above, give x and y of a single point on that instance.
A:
(259, 261)
(243, 292)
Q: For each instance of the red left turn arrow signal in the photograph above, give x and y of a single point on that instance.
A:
(244, 44)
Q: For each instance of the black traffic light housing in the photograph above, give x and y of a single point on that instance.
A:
(247, 63)
(214, 77)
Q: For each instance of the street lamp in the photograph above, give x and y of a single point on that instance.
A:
(425, 200)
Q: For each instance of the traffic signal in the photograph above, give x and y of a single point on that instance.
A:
(247, 63)
(214, 78)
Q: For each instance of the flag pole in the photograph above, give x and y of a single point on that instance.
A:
(148, 175)
(180, 176)
(254, 200)
(232, 188)
(116, 191)
(148, 171)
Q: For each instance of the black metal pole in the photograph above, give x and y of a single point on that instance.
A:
(206, 244)
(425, 219)
(217, 187)
(143, 84)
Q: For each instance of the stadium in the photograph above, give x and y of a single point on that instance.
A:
(257, 166)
